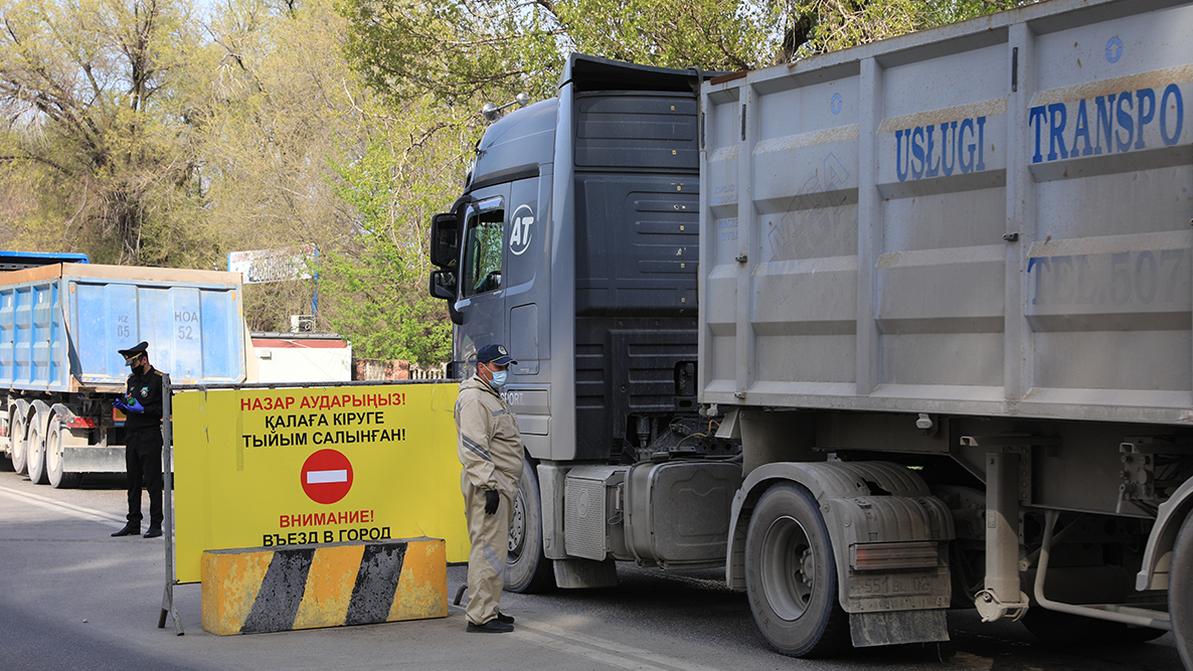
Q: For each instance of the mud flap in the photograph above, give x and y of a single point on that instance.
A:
(896, 627)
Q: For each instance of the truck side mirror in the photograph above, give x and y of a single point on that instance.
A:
(445, 240)
(443, 285)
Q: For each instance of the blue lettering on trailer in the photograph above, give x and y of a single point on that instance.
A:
(1107, 124)
(940, 150)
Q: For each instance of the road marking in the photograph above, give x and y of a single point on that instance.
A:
(618, 648)
(71, 509)
(972, 661)
(607, 652)
(548, 641)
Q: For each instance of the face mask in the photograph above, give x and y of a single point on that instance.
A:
(499, 377)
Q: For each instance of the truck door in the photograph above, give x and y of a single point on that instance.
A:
(483, 276)
(524, 263)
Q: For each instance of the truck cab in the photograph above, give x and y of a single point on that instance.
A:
(575, 244)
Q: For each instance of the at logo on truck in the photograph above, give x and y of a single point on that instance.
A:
(520, 230)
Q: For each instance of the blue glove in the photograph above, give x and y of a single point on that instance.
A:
(120, 404)
(134, 406)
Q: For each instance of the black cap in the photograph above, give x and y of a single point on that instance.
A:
(134, 351)
(496, 354)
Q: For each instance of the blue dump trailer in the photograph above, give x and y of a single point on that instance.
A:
(61, 325)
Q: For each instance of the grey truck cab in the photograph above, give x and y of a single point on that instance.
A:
(575, 242)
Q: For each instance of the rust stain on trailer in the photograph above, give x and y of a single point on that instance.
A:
(1151, 79)
(824, 136)
(945, 114)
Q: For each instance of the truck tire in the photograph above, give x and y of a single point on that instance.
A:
(1180, 592)
(791, 575)
(18, 454)
(1062, 630)
(527, 569)
(55, 466)
(35, 448)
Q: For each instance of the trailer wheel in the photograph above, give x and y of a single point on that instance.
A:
(791, 575)
(55, 466)
(35, 448)
(6, 459)
(527, 569)
(16, 423)
(1180, 592)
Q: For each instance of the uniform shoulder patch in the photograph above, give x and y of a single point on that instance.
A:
(158, 373)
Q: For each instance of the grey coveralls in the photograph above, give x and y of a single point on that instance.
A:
(490, 449)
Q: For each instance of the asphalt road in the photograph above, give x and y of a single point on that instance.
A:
(73, 598)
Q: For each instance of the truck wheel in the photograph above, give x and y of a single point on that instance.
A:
(16, 424)
(55, 467)
(1062, 630)
(791, 575)
(1180, 592)
(527, 569)
(35, 447)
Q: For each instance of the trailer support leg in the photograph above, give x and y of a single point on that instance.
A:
(1002, 596)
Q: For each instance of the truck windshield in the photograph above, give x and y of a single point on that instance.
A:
(482, 260)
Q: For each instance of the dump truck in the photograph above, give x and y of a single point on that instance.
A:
(882, 332)
(61, 324)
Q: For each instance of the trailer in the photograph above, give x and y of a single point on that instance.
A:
(61, 325)
(884, 332)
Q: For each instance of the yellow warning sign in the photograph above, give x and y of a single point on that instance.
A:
(277, 467)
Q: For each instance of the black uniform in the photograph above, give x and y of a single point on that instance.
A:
(143, 446)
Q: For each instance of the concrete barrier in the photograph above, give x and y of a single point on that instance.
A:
(258, 590)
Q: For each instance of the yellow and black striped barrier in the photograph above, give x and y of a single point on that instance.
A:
(260, 590)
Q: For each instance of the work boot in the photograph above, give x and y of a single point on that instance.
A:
(154, 531)
(129, 529)
(502, 617)
(493, 626)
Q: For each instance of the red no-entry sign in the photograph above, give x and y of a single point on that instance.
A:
(326, 476)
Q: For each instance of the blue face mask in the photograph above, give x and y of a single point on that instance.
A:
(499, 377)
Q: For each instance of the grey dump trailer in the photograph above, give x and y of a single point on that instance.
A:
(884, 332)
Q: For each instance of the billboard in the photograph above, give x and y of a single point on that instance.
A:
(272, 265)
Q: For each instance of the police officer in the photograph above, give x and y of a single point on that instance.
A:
(490, 449)
(142, 406)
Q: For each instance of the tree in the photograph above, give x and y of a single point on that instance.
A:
(283, 111)
(411, 167)
(95, 124)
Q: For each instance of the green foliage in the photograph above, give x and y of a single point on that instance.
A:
(377, 277)
(840, 24)
(89, 87)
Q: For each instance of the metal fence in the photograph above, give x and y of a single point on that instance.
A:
(438, 372)
(396, 369)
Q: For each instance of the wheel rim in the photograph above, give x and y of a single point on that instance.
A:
(54, 453)
(517, 536)
(17, 443)
(37, 454)
(788, 568)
